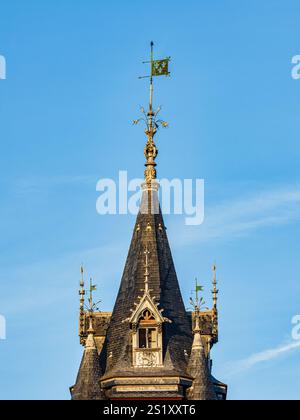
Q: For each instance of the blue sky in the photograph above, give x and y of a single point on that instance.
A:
(66, 109)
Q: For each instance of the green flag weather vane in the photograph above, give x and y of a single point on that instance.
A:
(92, 307)
(157, 67)
(150, 117)
(198, 303)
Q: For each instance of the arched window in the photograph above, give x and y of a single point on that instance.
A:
(147, 331)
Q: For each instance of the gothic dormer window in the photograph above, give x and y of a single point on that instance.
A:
(146, 323)
(147, 335)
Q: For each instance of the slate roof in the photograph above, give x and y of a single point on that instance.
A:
(150, 232)
(202, 388)
(87, 385)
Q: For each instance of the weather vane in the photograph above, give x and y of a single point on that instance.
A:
(92, 307)
(157, 68)
(198, 303)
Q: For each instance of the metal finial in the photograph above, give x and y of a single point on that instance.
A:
(81, 279)
(215, 290)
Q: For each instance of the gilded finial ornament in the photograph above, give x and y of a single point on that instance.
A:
(215, 290)
(81, 310)
(157, 68)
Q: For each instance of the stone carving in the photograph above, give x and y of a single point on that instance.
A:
(147, 359)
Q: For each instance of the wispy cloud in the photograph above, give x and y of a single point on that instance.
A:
(265, 356)
(238, 217)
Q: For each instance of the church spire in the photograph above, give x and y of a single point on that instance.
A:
(129, 334)
(150, 346)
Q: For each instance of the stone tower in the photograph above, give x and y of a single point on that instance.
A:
(150, 346)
